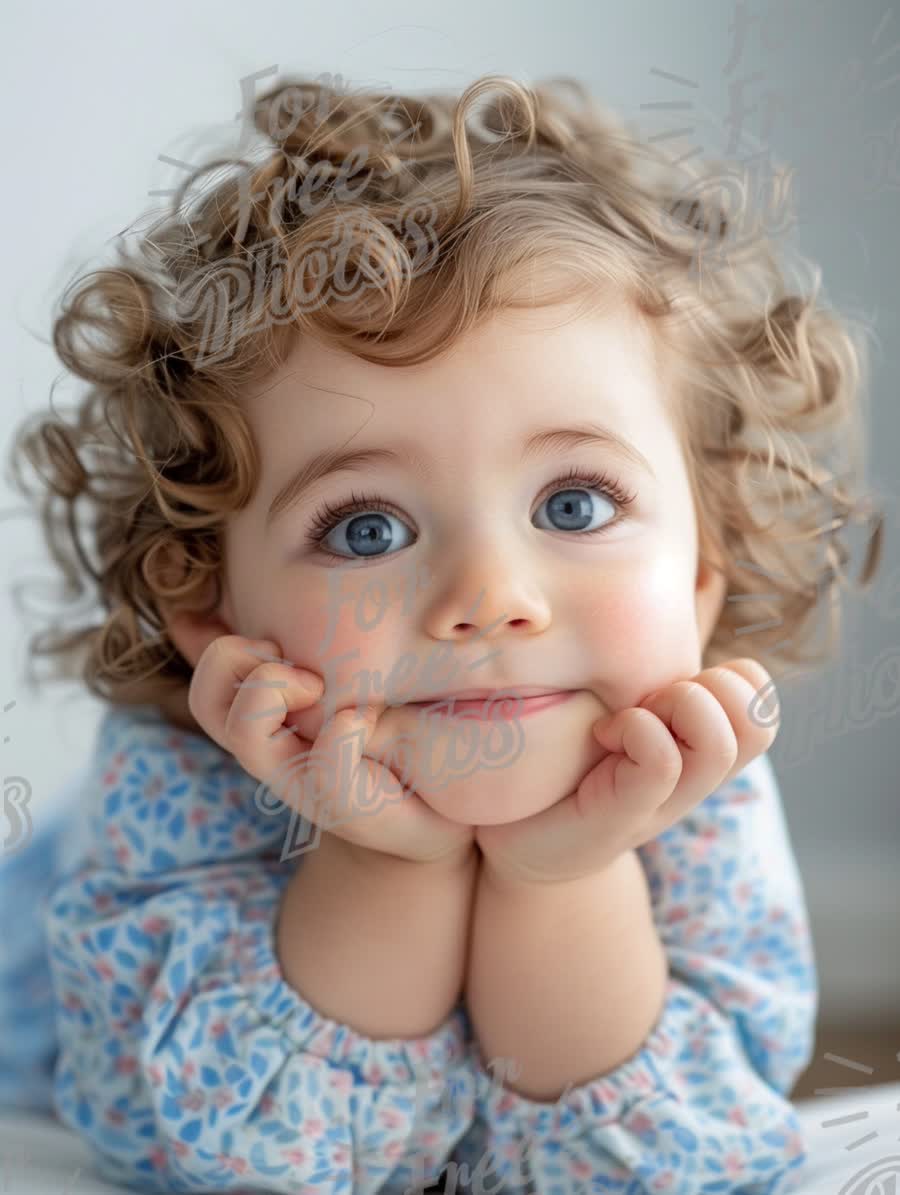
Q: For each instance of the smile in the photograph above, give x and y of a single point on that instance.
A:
(485, 709)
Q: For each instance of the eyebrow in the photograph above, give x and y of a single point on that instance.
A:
(541, 443)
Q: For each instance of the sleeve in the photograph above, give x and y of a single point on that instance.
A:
(703, 1106)
(32, 857)
(187, 1062)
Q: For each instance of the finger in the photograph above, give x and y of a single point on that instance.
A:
(735, 686)
(705, 739)
(643, 766)
(255, 730)
(764, 709)
(361, 799)
(330, 783)
(223, 681)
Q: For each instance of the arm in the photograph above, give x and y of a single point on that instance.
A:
(376, 941)
(587, 967)
(187, 1061)
(701, 1103)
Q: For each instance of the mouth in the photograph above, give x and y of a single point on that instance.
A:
(503, 706)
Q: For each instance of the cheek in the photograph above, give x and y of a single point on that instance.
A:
(638, 627)
(352, 645)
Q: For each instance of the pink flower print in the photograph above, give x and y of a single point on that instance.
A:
(103, 970)
(738, 1116)
(218, 1029)
(155, 1075)
(123, 854)
(198, 817)
(147, 974)
(341, 1081)
(102, 901)
(126, 1065)
(580, 1169)
(235, 1165)
(189, 1069)
(194, 1100)
(110, 778)
(663, 1181)
(153, 925)
(394, 1150)
(296, 1156)
(734, 1164)
(340, 1155)
(390, 1118)
(223, 1097)
(697, 1047)
(314, 1127)
(153, 787)
(795, 1144)
(158, 1159)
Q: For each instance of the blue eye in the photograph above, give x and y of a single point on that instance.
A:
(572, 507)
(368, 517)
(369, 533)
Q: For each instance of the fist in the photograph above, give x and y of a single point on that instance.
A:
(663, 757)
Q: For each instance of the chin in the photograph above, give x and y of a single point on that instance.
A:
(476, 774)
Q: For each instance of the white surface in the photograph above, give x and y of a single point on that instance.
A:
(851, 1136)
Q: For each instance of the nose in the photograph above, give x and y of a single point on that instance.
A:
(485, 593)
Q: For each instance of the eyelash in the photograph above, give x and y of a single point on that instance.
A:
(328, 516)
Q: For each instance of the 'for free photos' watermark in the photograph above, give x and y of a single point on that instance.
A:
(16, 826)
(267, 285)
(471, 739)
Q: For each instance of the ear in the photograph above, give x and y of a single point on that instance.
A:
(710, 597)
(192, 633)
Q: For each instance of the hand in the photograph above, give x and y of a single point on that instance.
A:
(243, 693)
(665, 756)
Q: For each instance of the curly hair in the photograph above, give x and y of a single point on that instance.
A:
(387, 226)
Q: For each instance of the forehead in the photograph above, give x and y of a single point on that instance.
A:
(518, 368)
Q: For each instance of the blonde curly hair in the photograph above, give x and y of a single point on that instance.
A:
(439, 215)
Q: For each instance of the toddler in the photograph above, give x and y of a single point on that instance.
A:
(458, 859)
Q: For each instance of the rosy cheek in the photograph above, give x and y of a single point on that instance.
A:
(638, 631)
(353, 658)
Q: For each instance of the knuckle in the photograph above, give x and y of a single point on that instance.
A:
(726, 753)
(753, 671)
(265, 673)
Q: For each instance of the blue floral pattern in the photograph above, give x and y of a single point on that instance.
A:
(174, 1046)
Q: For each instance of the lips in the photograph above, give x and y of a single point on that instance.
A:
(486, 694)
(504, 707)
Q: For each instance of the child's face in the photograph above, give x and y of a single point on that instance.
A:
(479, 555)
